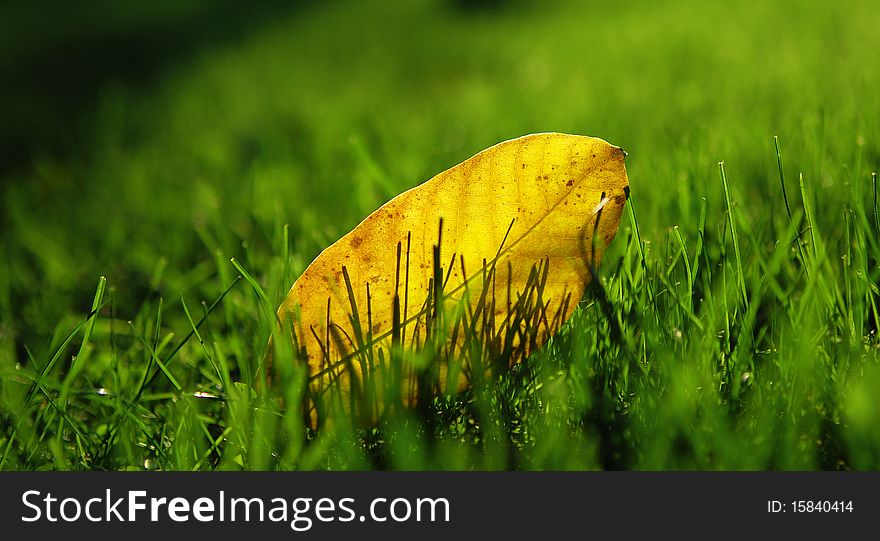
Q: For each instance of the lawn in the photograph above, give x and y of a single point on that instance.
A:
(736, 326)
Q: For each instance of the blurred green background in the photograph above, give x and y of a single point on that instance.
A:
(149, 143)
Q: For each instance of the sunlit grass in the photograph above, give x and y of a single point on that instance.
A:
(735, 326)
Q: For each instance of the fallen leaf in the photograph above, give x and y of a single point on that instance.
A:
(496, 251)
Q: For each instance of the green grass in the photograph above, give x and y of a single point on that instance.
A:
(737, 319)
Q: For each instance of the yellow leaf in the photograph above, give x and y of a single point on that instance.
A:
(495, 253)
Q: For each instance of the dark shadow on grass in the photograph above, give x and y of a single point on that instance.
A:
(58, 57)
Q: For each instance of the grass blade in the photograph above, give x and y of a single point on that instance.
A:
(732, 222)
